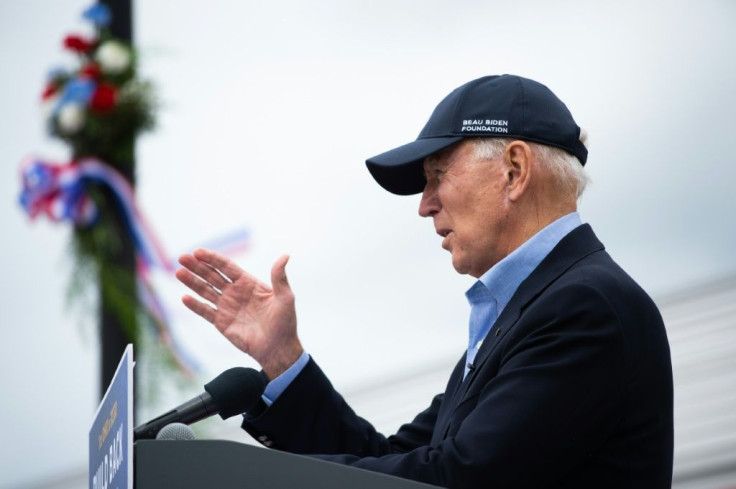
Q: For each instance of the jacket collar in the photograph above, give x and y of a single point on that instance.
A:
(578, 244)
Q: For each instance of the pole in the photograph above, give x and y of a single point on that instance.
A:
(115, 331)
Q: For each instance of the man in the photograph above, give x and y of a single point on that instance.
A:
(566, 382)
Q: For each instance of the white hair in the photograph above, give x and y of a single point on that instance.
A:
(564, 167)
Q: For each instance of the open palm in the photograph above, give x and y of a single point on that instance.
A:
(257, 318)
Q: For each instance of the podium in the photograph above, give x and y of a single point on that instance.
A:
(190, 464)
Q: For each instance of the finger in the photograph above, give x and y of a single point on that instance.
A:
(279, 281)
(219, 262)
(204, 289)
(200, 308)
(205, 271)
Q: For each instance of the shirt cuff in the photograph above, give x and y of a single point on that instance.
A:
(278, 385)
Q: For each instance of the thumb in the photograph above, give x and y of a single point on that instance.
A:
(279, 282)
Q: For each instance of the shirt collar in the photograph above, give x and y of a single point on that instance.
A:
(501, 281)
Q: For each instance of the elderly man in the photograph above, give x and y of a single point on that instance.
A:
(566, 382)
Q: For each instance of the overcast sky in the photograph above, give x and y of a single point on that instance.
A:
(270, 109)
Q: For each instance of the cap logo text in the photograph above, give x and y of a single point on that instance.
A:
(485, 125)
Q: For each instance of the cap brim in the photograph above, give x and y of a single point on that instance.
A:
(401, 171)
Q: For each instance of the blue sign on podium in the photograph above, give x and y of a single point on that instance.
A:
(111, 435)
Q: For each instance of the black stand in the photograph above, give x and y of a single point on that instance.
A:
(229, 465)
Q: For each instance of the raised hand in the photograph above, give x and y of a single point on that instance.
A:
(257, 318)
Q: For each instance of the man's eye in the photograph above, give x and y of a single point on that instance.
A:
(434, 173)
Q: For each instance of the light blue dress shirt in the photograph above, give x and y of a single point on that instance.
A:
(487, 297)
(494, 289)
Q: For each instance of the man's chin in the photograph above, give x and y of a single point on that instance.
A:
(459, 265)
(463, 267)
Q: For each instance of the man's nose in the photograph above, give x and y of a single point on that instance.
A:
(430, 203)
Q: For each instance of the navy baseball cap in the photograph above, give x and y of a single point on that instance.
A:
(503, 106)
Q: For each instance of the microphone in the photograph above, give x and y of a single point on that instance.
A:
(176, 431)
(234, 391)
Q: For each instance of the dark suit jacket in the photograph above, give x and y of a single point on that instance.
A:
(572, 389)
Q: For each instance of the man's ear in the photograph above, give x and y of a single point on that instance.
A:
(518, 157)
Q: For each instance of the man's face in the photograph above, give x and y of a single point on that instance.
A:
(466, 198)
